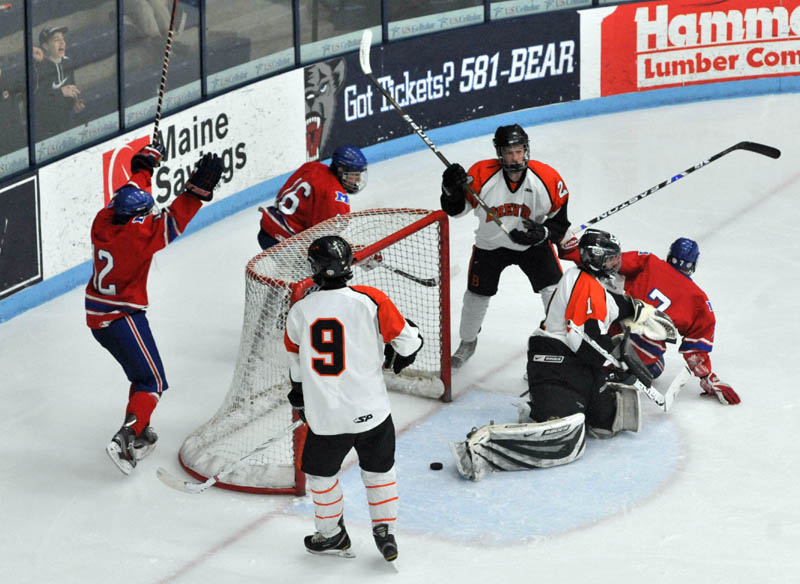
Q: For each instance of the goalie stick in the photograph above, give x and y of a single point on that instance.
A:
(363, 57)
(163, 86)
(658, 398)
(194, 488)
(755, 147)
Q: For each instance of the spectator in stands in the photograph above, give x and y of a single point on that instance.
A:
(150, 17)
(58, 99)
(10, 111)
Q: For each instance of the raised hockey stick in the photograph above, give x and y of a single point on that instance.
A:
(363, 55)
(162, 87)
(194, 488)
(658, 398)
(755, 147)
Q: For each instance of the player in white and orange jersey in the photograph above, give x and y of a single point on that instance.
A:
(529, 198)
(339, 338)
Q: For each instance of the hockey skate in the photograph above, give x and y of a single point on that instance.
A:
(337, 545)
(465, 350)
(385, 542)
(145, 442)
(121, 448)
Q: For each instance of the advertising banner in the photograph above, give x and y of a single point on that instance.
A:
(656, 45)
(442, 79)
(20, 251)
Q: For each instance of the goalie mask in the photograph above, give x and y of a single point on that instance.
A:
(683, 254)
(331, 258)
(350, 167)
(514, 135)
(130, 201)
(600, 252)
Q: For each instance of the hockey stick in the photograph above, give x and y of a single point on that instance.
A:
(427, 282)
(755, 147)
(194, 488)
(363, 56)
(162, 87)
(658, 398)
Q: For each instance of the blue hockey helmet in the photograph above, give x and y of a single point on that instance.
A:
(349, 165)
(683, 254)
(130, 201)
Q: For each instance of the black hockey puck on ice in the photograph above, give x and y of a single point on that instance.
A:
(437, 466)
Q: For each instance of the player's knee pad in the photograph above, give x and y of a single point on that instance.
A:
(520, 446)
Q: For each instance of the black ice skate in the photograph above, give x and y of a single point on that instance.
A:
(338, 545)
(385, 542)
(145, 442)
(465, 350)
(121, 448)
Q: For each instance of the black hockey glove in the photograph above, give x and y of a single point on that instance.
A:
(533, 234)
(397, 362)
(297, 401)
(148, 158)
(454, 179)
(203, 180)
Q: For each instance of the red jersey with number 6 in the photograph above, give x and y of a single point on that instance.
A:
(653, 280)
(122, 255)
(311, 195)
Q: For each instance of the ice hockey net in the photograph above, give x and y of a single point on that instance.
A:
(403, 252)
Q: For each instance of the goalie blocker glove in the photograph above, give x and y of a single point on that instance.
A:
(396, 361)
(533, 233)
(203, 180)
(148, 158)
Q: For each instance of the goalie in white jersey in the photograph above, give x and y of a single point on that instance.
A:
(339, 339)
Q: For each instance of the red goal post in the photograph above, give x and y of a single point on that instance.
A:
(403, 252)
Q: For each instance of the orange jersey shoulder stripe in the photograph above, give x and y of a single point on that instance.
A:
(556, 188)
(587, 301)
(390, 320)
(481, 172)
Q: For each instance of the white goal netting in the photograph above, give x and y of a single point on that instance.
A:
(403, 252)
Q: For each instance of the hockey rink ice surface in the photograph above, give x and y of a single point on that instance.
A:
(704, 494)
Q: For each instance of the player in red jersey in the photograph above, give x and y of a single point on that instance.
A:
(335, 337)
(125, 235)
(314, 193)
(530, 199)
(668, 286)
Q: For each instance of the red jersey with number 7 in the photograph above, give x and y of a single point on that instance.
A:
(122, 255)
(653, 280)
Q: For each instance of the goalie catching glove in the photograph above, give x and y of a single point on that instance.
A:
(651, 323)
(203, 180)
(397, 362)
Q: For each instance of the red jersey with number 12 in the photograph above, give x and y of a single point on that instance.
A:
(653, 280)
(122, 255)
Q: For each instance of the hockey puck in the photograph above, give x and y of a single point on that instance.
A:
(437, 466)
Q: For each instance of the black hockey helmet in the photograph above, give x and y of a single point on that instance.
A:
(600, 252)
(512, 135)
(331, 258)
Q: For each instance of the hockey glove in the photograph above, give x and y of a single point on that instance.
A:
(651, 323)
(713, 385)
(454, 179)
(533, 234)
(148, 158)
(397, 362)
(203, 180)
(296, 400)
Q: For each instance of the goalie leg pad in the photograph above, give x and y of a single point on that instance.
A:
(627, 416)
(520, 446)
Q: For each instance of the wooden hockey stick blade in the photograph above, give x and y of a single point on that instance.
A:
(190, 487)
(762, 149)
(363, 51)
